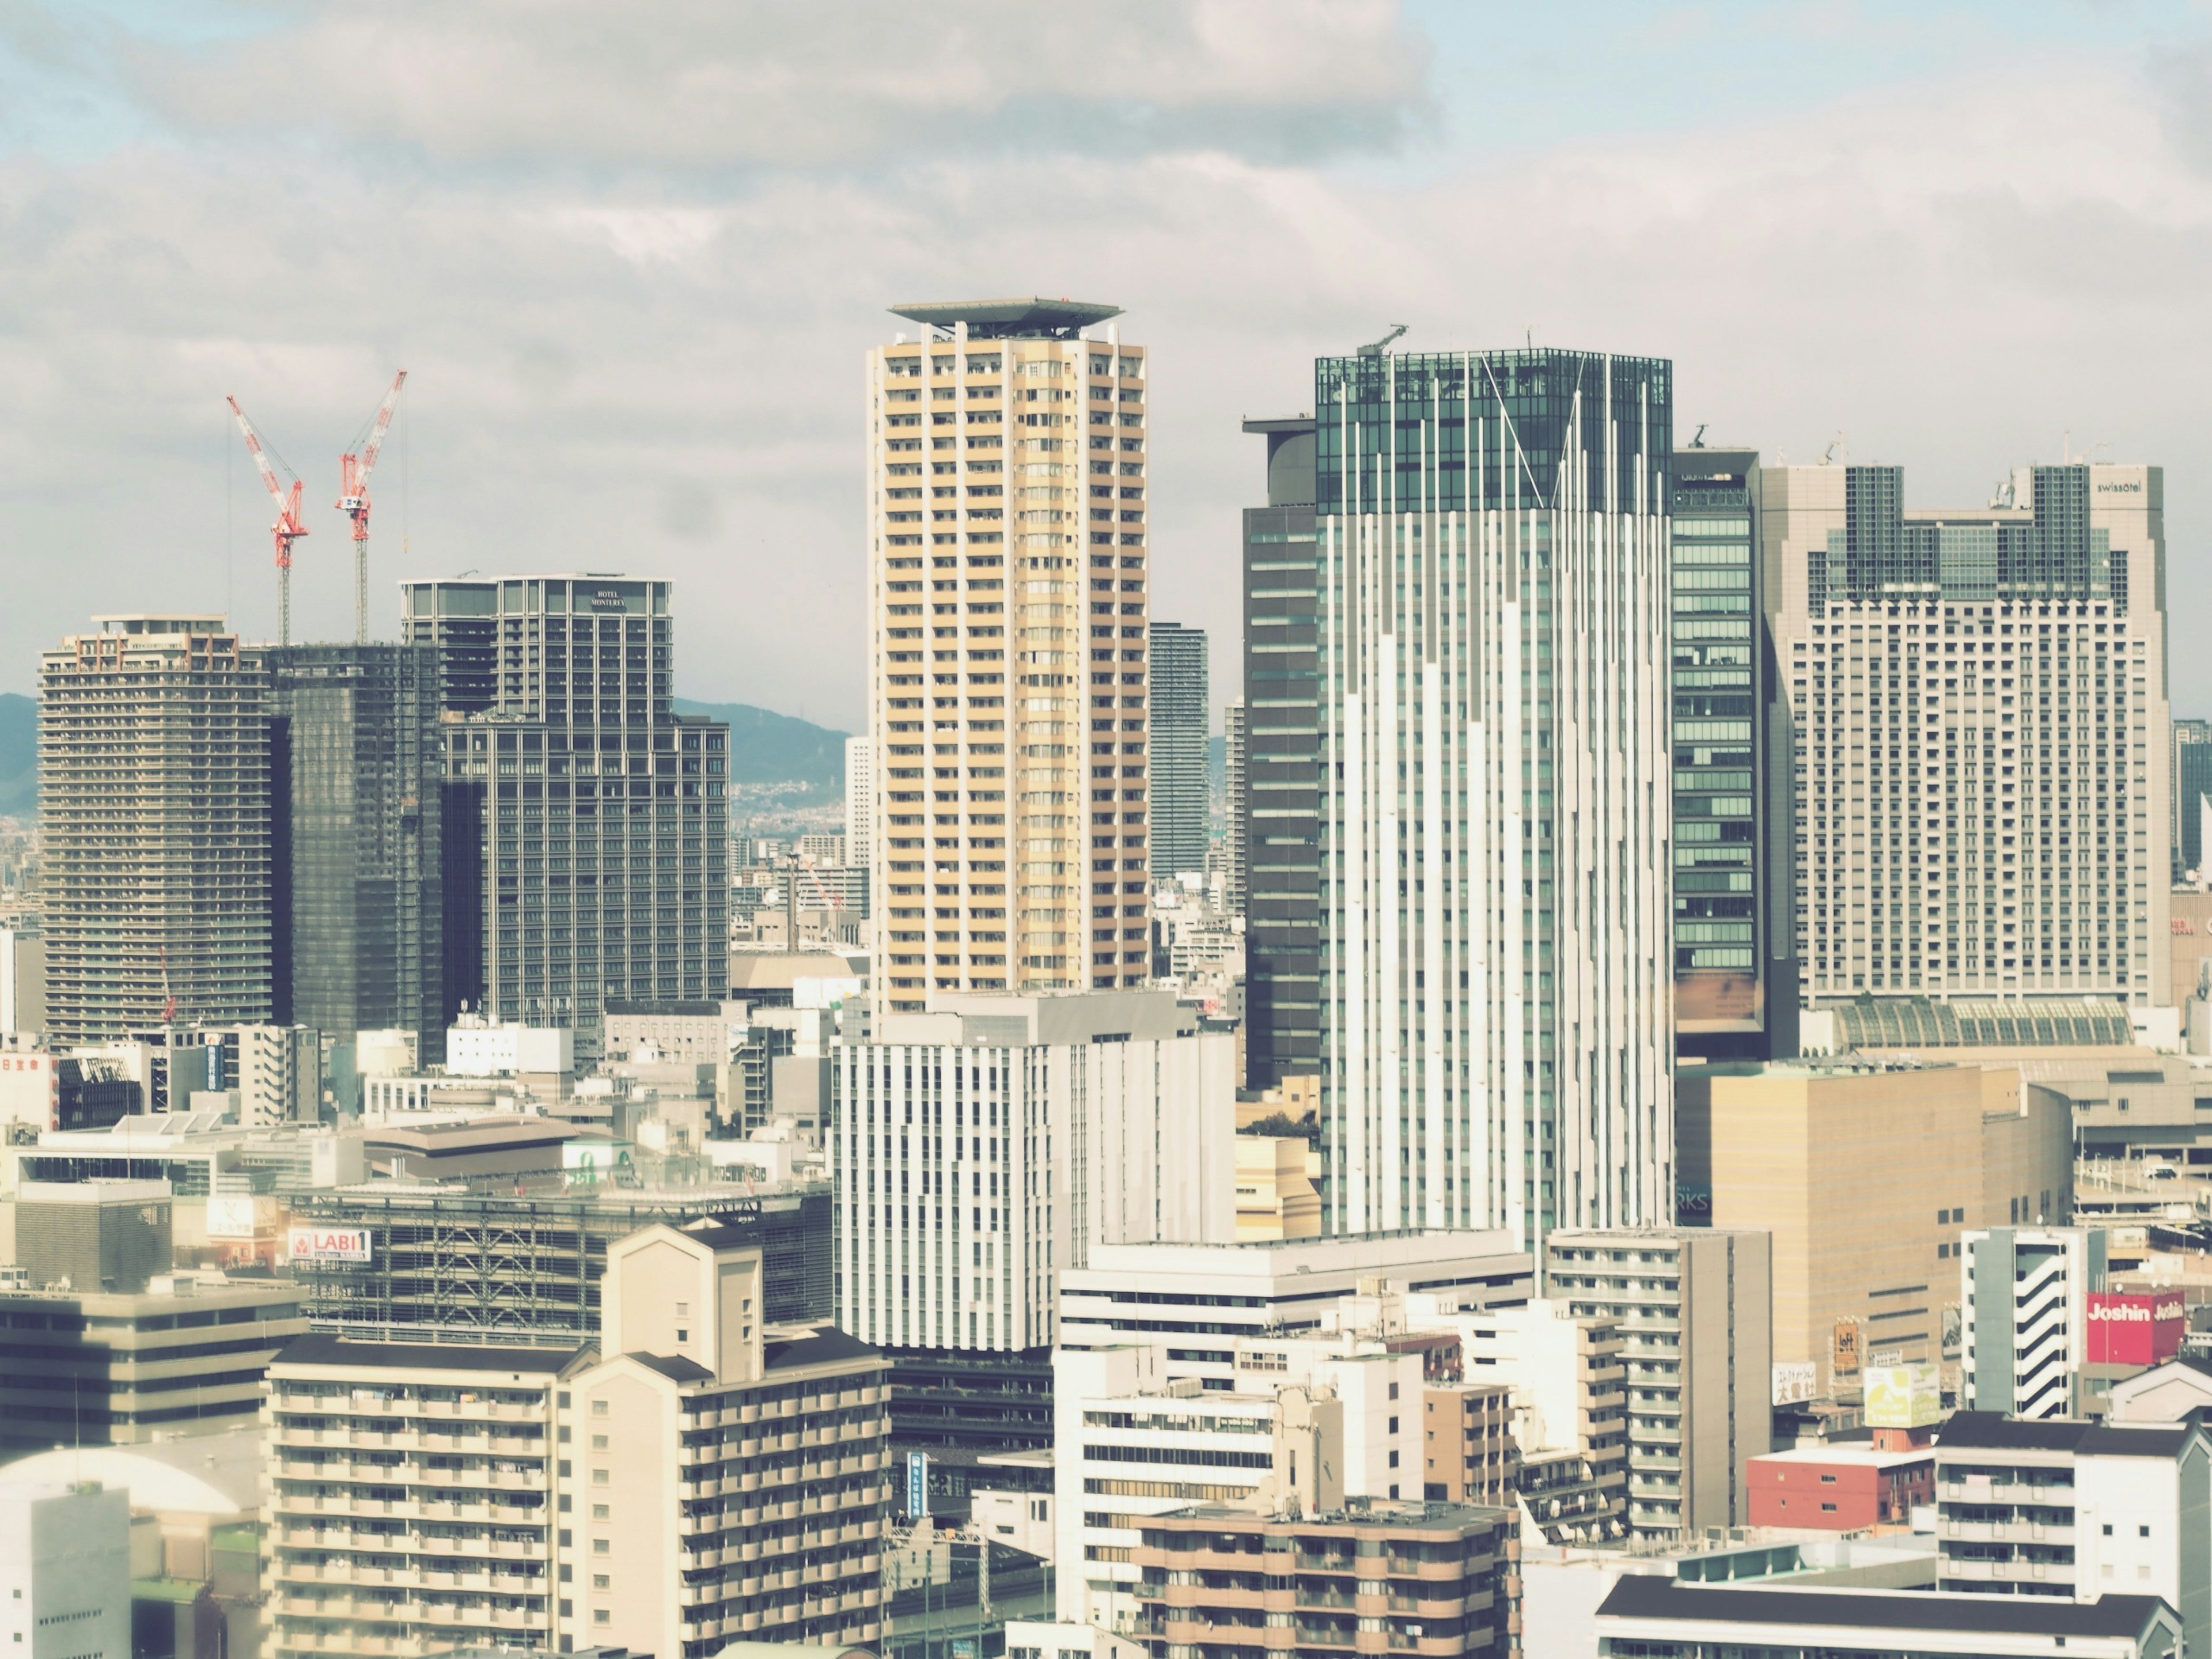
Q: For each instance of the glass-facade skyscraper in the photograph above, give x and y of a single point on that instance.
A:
(1177, 755)
(1279, 812)
(357, 756)
(2192, 783)
(1735, 971)
(596, 816)
(1496, 819)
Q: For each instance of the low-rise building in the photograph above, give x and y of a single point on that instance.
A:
(1845, 1486)
(186, 1356)
(1276, 1198)
(408, 1496)
(1656, 1618)
(1368, 1578)
(2073, 1511)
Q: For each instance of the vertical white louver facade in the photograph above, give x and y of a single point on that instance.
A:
(1497, 805)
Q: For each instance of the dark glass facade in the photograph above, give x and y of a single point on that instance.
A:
(357, 756)
(1735, 974)
(604, 847)
(2192, 782)
(2049, 550)
(1177, 755)
(1280, 801)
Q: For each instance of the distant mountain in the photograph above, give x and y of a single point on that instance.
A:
(765, 747)
(19, 755)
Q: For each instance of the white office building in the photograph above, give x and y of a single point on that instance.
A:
(1202, 1299)
(1496, 812)
(2024, 1307)
(64, 1570)
(860, 802)
(1979, 703)
(983, 1149)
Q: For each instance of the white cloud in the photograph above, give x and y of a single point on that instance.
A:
(660, 370)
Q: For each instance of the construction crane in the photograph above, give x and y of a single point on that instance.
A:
(287, 528)
(1374, 348)
(354, 468)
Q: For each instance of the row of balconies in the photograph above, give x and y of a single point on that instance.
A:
(789, 1510)
(410, 1541)
(411, 1610)
(498, 1437)
(408, 1472)
(754, 1550)
(710, 1486)
(287, 1502)
(754, 1412)
(2020, 1532)
(284, 1397)
(727, 1451)
(861, 1603)
(418, 1575)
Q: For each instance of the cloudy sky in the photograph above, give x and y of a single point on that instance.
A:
(631, 256)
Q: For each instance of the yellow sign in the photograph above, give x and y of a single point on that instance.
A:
(1904, 1396)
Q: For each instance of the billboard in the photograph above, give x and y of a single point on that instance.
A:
(329, 1243)
(230, 1216)
(917, 1484)
(1794, 1380)
(2130, 1330)
(1845, 1355)
(1906, 1396)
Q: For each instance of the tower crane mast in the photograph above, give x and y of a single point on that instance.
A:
(287, 528)
(354, 468)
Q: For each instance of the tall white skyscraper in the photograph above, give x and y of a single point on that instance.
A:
(1980, 721)
(860, 801)
(1495, 813)
(1007, 605)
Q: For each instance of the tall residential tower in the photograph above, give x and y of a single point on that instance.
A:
(1495, 810)
(153, 814)
(1007, 561)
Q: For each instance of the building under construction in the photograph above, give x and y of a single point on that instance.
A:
(155, 824)
(448, 1265)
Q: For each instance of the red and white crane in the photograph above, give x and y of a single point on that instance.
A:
(354, 468)
(287, 528)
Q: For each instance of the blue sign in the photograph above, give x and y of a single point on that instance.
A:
(917, 1484)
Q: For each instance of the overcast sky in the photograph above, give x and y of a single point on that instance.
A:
(631, 256)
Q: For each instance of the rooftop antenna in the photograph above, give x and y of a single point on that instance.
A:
(1375, 348)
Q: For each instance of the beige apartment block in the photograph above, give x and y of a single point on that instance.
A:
(1008, 541)
(408, 1496)
(725, 1480)
(1866, 1175)
(153, 820)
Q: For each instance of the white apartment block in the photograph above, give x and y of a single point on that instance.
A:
(1200, 1300)
(1008, 565)
(280, 1075)
(1981, 731)
(407, 1494)
(2073, 1510)
(64, 1570)
(860, 802)
(1497, 813)
(478, 1047)
(2024, 1312)
(1693, 1306)
(984, 1148)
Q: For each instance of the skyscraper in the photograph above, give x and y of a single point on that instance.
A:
(154, 812)
(598, 818)
(1178, 749)
(1008, 610)
(356, 758)
(1735, 970)
(1496, 819)
(1282, 812)
(860, 802)
(1978, 698)
(1234, 774)
(2192, 782)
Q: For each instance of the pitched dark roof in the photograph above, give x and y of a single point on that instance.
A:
(820, 1347)
(2134, 1440)
(320, 1348)
(1643, 1596)
(673, 1366)
(1997, 1432)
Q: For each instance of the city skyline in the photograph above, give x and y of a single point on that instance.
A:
(597, 364)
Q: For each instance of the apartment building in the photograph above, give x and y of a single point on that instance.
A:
(727, 1480)
(1235, 787)
(1693, 1306)
(1008, 559)
(1379, 1579)
(154, 827)
(65, 1574)
(1468, 1454)
(1979, 702)
(407, 1496)
(2073, 1511)
(184, 1356)
(2024, 1303)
